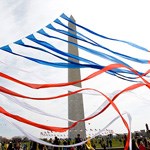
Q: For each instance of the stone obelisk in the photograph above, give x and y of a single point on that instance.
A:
(75, 102)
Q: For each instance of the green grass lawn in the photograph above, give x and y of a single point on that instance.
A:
(115, 143)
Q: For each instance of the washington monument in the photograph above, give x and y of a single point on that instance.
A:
(75, 102)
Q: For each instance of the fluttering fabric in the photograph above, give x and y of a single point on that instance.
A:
(40, 51)
(79, 36)
(33, 138)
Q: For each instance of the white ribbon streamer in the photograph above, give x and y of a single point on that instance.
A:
(33, 138)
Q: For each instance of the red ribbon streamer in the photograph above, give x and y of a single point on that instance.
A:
(38, 86)
(61, 129)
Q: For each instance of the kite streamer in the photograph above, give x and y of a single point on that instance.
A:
(101, 46)
(67, 65)
(72, 64)
(102, 36)
(37, 86)
(62, 129)
(40, 42)
(33, 138)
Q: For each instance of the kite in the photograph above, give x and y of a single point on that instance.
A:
(40, 50)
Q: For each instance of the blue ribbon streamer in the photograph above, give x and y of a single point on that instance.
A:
(82, 37)
(102, 36)
(61, 65)
(97, 53)
(143, 61)
(20, 42)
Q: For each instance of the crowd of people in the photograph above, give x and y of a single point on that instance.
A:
(138, 143)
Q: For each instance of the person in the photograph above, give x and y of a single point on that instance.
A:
(124, 139)
(134, 144)
(78, 140)
(64, 143)
(25, 146)
(0, 146)
(103, 144)
(40, 146)
(10, 146)
(88, 144)
(110, 142)
(142, 146)
(17, 145)
(33, 146)
(107, 142)
(5, 146)
(50, 141)
(145, 141)
(56, 142)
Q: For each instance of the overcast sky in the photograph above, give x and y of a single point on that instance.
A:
(127, 20)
